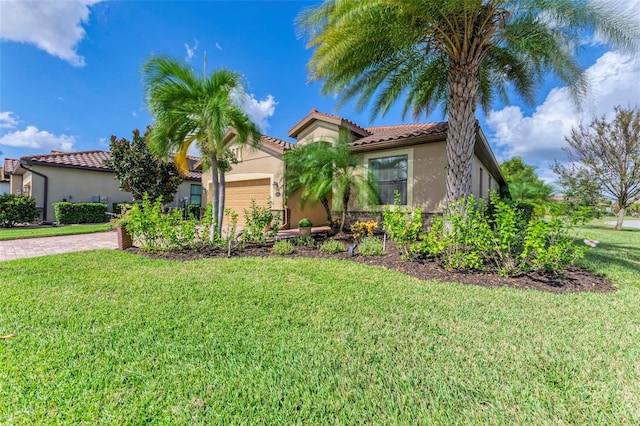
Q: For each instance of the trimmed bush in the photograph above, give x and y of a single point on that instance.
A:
(80, 212)
(16, 209)
(284, 247)
(370, 246)
(332, 246)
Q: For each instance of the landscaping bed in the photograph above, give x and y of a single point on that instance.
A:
(572, 279)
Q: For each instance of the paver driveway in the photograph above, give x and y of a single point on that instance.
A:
(33, 247)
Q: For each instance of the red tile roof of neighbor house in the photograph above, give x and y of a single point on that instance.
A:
(89, 160)
(277, 143)
(10, 165)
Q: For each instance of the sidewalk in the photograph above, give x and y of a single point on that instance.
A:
(34, 247)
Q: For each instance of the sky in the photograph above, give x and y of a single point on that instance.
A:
(70, 75)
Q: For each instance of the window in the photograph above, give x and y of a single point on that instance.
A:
(390, 174)
(196, 195)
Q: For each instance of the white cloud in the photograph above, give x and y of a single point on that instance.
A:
(260, 111)
(8, 120)
(103, 142)
(191, 51)
(53, 26)
(539, 137)
(218, 46)
(134, 113)
(33, 138)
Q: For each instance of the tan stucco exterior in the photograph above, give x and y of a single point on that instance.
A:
(78, 186)
(317, 131)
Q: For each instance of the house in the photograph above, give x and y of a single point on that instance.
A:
(4, 182)
(81, 177)
(408, 158)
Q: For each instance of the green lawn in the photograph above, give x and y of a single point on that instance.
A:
(110, 337)
(51, 231)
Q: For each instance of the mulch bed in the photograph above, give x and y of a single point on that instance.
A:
(571, 280)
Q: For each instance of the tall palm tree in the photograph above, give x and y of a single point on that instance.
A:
(454, 53)
(191, 109)
(317, 170)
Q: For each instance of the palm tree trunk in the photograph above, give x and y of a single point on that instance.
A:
(461, 135)
(215, 196)
(327, 209)
(345, 207)
(621, 214)
(221, 199)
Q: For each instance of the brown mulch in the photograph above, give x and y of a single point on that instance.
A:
(571, 280)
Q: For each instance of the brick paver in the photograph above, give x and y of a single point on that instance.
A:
(33, 247)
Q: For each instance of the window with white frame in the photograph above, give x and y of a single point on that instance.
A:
(391, 175)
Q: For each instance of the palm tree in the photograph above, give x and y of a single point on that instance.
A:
(189, 109)
(454, 53)
(317, 170)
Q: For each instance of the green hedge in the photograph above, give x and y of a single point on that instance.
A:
(16, 209)
(80, 212)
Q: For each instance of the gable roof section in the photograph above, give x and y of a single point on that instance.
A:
(10, 165)
(88, 160)
(279, 144)
(316, 115)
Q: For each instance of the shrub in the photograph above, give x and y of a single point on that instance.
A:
(16, 209)
(301, 241)
(402, 225)
(284, 247)
(305, 223)
(370, 246)
(80, 212)
(363, 229)
(260, 224)
(332, 246)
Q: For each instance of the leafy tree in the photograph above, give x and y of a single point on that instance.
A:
(321, 169)
(139, 171)
(189, 109)
(581, 189)
(454, 53)
(523, 182)
(608, 152)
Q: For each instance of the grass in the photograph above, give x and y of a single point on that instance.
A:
(110, 337)
(51, 231)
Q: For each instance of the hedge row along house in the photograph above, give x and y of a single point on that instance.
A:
(82, 177)
(408, 158)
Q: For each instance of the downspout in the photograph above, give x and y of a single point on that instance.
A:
(46, 188)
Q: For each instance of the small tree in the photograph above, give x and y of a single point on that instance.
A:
(608, 152)
(139, 171)
(523, 182)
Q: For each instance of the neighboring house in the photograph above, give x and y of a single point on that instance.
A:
(81, 177)
(4, 182)
(408, 158)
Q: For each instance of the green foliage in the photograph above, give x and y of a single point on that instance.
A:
(332, 246)
(232, 220)
(301, 241)
(158, 232)
(16, 209)
(141, 172)
(80, 212)
(360, 229)
(467, 238)
(304, 223)
(524, 185)
(370, 246)
(260, 224)
(402, 224)
(284, 247)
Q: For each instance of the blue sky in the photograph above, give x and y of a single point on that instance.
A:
(70, 74)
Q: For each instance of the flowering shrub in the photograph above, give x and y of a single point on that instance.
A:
(360, 229)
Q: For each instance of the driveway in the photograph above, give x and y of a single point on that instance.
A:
(34, 247)
(627, 224)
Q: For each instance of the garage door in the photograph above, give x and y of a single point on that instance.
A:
(239, 195)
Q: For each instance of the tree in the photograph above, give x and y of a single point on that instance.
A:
(189, 109)
(607, 152)
(453, 53)
(139, 171)
(523, 182)
(317, 169)
(581, 189)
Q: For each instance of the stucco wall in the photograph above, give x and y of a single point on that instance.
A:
(255, 163)
(430, 174)
(478, 168)
(319, 130)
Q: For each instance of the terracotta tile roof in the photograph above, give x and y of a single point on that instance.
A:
(275, 142)
(317, 115)
(381, 134)
(90, 160)
(10, 165)
(345, 120)
(81, 159)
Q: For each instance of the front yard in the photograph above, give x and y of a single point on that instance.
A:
(111, 337)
